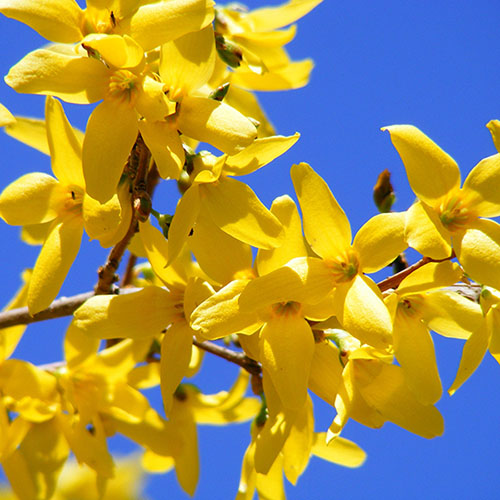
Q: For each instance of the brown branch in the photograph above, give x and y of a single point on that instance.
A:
(137, 170)
(239, 358)
(394, 280)
(65, 306)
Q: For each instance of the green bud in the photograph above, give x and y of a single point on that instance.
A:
(220, 92)
(142, 205)
(228, 51)
(383, 192)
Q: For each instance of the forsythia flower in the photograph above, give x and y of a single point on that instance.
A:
(449, 216)
(38, 198)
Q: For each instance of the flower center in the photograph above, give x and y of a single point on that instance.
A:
(286, 308)
(344, 267)
(98, 21)
(410, 306)
(123, 86)
(73, 200)
(454, 213)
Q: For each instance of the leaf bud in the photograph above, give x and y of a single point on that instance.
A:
(383, 192)
(228, 51)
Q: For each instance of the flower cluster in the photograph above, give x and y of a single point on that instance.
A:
(289, 292)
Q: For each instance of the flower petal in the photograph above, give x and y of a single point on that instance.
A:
(326, 226)
(183, 222)
(220, 255)
(158, 22)
(494, 128)
(338, 451)
(414, 350)
(450, 314)
(6, 117)
(235, 208)
(65, 148)
(432, 173)
(286, 352)
(118, 51)
(481, 183)
(175, 356)
(293, 244)
(56, 257)
(56, 20)
(166, 147)
(135, 315)
(187, 62)
(380, 241)
(384, 388)
(217, 123)
(76, 79)
(258, 154)
(31, 131)
(111, 132)
(478, 250)
(30, 200)
(271, 18)
(425, 233)
(363, 313)
(304, 279)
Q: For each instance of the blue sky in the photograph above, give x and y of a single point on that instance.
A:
(430, 64)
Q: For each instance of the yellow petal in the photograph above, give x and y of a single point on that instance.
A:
(494, 128)
(30, 200)
(219, 255)
(450, 314)
(136, 315)
(175, 356)
(56, 20)
(414, 350)
(384, 388)
(217, 123)
(111, 132)
(220, 315)
(480, 183)
(6, 117)
(473, 352)
(478, 250)
(16, 469)
(432, 172)
(80, 80)
(326, 226)
(339, 451)
(292, 76)
(286, 352)
(65, 148)
(363, 313)
(187, 62)
(56, 257)
(258, 154)
(433, 275)
(247, 104)
(183, 222)
(156, 23)
(326, 372)
(30, 131)
(270, 18)
(78, 346)
(425, 233)
(35, 234)
(235, 208)
(151, 102)
(166, 147)
(116, 50)
(493, 325)
(380, 241)
(303, 279)
(102, 220)
(293, 244)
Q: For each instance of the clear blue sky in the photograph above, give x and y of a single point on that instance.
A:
(431, 64)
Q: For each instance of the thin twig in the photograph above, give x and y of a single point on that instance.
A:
(64, 306)
(394, 280)
(239, 358)
(138, 163)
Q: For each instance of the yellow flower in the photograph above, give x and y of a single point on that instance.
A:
(259, 45)
(229, 204)
(357, 302)
(449, 216)
(485, 337)
(150, 23)
(38, 198)
(418, 305)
